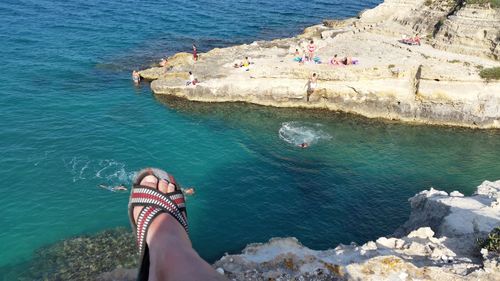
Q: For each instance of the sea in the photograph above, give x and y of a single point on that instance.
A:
(71, 119)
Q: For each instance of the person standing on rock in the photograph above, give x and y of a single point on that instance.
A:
(311, 48)
(311, 85)
(136, 77)
(195, 53)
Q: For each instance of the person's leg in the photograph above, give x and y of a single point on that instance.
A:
(171, 255)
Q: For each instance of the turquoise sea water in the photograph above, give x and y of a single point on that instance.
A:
(71, 119)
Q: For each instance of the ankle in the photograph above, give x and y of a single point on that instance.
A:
(165, 231)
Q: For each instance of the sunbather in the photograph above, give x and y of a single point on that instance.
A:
(335, 60)
(411, 41)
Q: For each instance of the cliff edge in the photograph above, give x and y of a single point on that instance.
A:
(438, 242)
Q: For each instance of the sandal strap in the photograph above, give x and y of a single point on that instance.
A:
(146, 215)
(147, 196)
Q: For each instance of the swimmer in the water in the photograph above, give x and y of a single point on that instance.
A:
(188, 191)
(120, 187)
(304, 145)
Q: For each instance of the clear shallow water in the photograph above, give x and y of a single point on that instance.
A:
(70, 119)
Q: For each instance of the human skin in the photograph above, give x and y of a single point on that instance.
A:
(172, 257)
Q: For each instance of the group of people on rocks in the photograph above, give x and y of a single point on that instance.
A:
(308, 55)
(136, 77)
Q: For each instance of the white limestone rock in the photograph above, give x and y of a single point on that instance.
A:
(452, 255)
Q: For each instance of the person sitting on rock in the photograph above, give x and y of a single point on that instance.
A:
(192, 80)
(297, 56)
(245, 63)
(163, 62)
(304, 58)
(335, 60)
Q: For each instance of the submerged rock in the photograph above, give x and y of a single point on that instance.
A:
(86, 258)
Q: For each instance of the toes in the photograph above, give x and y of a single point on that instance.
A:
(171, 187)
(163, 186)
(149, 181)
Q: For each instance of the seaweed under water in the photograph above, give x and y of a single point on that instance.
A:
(83, 257)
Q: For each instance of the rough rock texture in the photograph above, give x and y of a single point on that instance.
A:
(436, 83)
(472, 30)
(437, 243)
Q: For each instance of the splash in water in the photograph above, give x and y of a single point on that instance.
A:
(298, 133)
(108, 170)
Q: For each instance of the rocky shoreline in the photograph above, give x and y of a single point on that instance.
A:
(439, 241)
(435, 83)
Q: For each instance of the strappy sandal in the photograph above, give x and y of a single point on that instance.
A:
(154, 202)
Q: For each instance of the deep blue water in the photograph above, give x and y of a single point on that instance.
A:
(71, 119)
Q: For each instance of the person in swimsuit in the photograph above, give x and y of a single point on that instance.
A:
(188, 191)
(304, 145)
(192, 80)
(311, 48)
(335, 60)
(163, 62)
(195, 53)
(311, 85)
(120, 187)
(136, 77)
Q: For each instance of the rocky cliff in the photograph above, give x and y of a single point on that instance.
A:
(435, 83)
(438, 242)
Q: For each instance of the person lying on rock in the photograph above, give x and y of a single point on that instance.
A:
(335, 60)
(158, 215)
(411, 41)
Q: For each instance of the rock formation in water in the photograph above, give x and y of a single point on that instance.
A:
(438, 242)
(435, 83)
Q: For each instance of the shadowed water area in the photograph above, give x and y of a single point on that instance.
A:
(71, 119)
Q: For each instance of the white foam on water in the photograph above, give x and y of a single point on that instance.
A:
(108, 170)
(296, 133)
